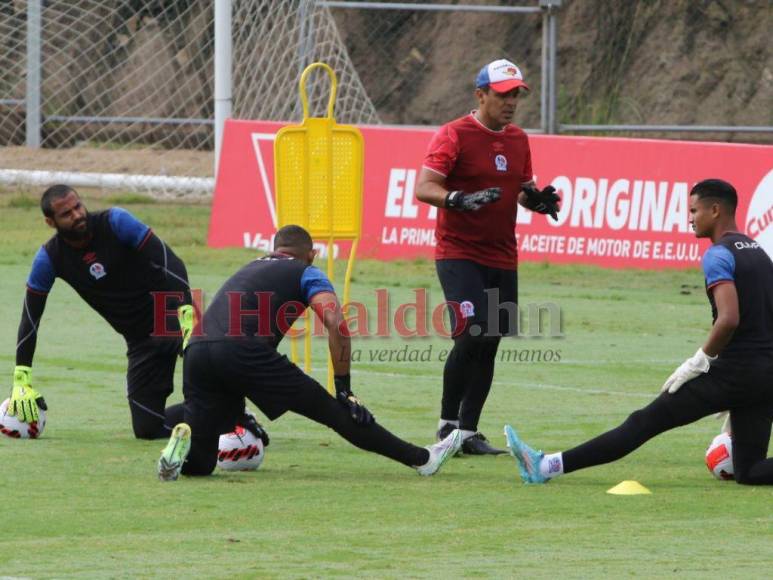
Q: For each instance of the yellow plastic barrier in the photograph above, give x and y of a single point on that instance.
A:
(318, 169)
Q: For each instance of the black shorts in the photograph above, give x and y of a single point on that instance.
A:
(485, 296)
(150, 373)
(218, 375)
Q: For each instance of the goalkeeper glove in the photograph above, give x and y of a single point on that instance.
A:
(358, 412)
(25, 400)
(472, 201)
(250, 422)
(186, 314)
(545, 201)
(694, 366)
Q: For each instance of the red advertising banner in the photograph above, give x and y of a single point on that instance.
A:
(625, 201)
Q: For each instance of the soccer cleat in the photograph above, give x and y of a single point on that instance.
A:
(477, 444)
(440, 452)
(444, 431)
(528, 459)
(174, 454)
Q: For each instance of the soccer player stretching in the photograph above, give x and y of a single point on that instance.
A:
(115, 263)
(234, 356)
(476, 171)
(732, 371)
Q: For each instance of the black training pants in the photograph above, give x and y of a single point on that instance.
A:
(217, 376)
(150, 381)
(485, 300)
(745, 387)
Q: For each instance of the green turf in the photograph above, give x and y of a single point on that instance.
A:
(83, 501)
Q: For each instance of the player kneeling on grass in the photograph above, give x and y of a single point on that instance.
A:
(115, 263)
(234, 356)
(732, 370)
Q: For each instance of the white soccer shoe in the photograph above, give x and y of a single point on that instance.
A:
(441, 452)
(174, 454)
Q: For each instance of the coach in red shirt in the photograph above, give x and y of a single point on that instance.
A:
(477, 170)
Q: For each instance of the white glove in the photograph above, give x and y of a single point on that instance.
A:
(694, 366)
(727, 427)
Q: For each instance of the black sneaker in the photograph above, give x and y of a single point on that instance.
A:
(479, 445)
(445, 431)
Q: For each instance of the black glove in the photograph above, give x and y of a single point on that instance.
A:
(545, 202)
(472, 201)
(250, 423)
(358, 412)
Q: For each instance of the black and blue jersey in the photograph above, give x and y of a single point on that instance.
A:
(116, 273)
(262, 300)
(738, 259)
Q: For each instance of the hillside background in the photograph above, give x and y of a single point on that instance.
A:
(703, 62)
(706, 62)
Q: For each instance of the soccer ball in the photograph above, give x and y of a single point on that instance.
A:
(239, 450)
(719, 457)
(11, 427)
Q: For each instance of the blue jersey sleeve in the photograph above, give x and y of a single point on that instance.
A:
(718, 265)
(127, 228)
(42, 275)
(313, 282)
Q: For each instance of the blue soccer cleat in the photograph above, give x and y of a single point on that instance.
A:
(528, 459)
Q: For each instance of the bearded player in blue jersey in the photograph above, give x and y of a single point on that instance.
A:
(733, 370)
(115, 263)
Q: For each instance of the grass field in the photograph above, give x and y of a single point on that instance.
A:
(84, 501)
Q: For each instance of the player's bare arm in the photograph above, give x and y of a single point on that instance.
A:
(328, 309)
(431, 187)
(326, 306)
(728, 318)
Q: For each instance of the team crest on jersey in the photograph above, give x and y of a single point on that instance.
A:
(501, 162)
(97, 270)
(467, 308)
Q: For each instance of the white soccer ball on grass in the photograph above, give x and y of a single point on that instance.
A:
(11, 427)
(239, 450)
(719, 457)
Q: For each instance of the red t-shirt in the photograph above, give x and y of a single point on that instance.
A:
(472, 157)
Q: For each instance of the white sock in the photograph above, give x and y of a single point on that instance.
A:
(552, 465)
(466, 434)
(443, 422)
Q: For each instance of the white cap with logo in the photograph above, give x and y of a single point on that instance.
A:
(501, 75)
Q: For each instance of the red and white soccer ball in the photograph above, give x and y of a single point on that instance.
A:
(239, 450)
(11, 427)
(719, 457)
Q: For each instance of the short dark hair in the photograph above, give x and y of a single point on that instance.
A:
(54, 192)
(294, 237)
(717, 189)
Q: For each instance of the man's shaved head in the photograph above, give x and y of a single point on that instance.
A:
(293, 238)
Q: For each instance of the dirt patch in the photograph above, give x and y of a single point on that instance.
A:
(148, 162)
